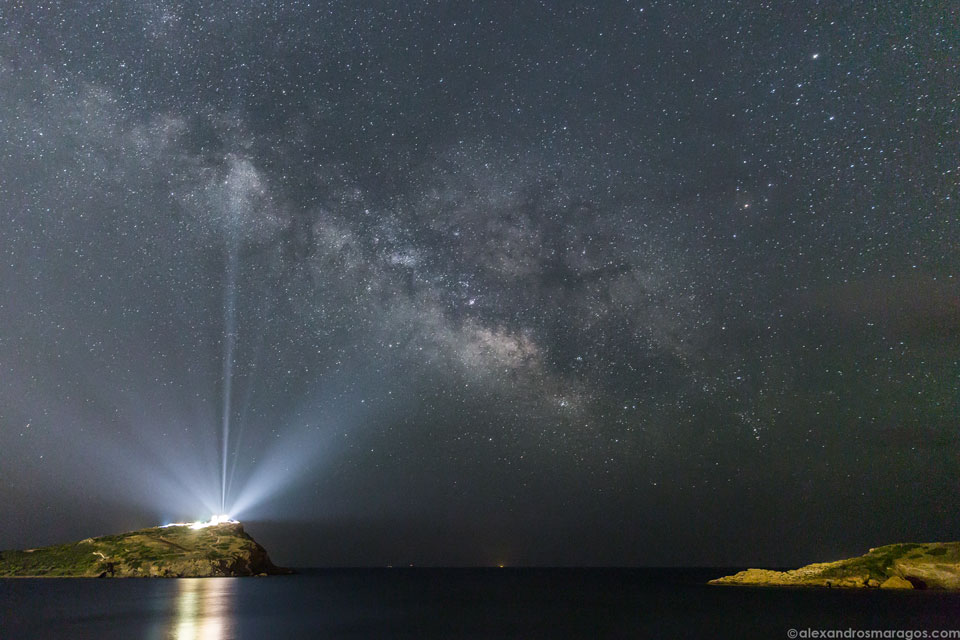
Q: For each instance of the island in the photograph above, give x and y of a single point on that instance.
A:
(933, 565)
(188, 550)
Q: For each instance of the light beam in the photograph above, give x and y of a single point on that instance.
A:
(230, 338)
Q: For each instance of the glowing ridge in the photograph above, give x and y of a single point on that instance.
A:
(199, 524)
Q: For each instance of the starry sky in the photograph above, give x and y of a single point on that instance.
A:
(473, 283)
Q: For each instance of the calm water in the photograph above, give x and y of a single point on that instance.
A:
(428, 603)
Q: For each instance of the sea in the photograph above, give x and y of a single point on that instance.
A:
(464, 603)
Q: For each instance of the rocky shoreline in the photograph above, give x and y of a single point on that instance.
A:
(934, 565)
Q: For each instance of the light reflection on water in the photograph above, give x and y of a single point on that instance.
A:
(203, 609)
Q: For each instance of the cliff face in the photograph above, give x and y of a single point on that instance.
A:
(166, 552)
(934, 565)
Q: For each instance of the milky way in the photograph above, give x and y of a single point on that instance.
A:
(563, 283)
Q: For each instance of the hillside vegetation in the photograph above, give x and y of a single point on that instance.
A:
(169, 552)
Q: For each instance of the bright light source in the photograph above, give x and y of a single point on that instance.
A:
(199, 524)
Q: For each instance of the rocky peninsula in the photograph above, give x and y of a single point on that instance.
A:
(933, 565)
(174, 551)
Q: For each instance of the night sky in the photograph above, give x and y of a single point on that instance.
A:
(471, 283)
